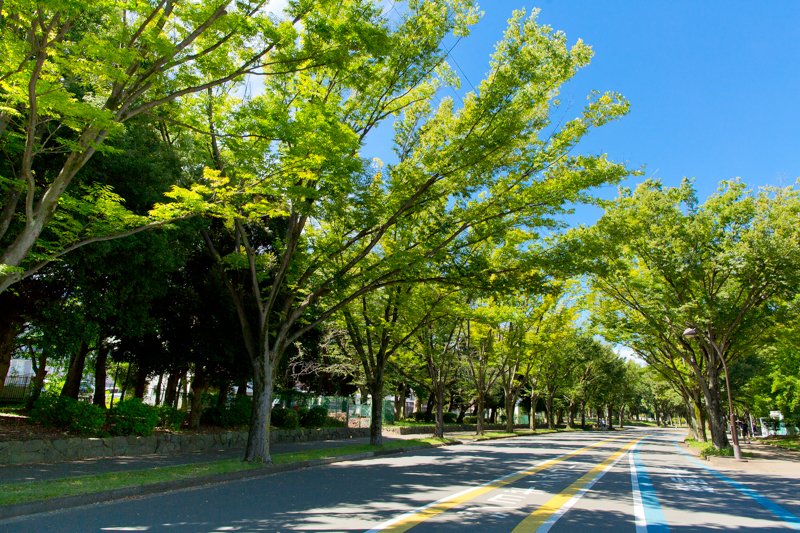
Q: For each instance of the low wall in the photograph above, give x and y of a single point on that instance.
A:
(429, 428)
(53, 451)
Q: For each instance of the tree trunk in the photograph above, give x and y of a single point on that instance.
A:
(257, 449)
(439, 393)
(429, 406)
(583, 415)
(548, 404)
(171, 389)
(532, 417)
(125, 383)
(376, 411)
(400, 402)
(479, 412)
(241, 389)
(510, 400)
(222, 397)
(199, 387)
(610, 417)
(100, 361)
(40, 369)
(114, 387)
(621, 416)
(159, 384)
(140, 387)
(72, 385)
(716, 416)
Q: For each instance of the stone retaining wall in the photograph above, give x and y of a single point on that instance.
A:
(52, 451)
(414, 430)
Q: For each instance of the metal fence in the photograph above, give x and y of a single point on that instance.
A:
(16, 389)
(351, 411)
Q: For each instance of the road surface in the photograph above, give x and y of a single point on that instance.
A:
(634, 480)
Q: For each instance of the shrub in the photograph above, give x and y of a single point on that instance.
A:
(450, 418)
(302, 412)
(69, 414)
(314, 417)
(284, 418)
(211, 416)
(169, 417)
(331, 422)
(132, 417)
(238, 412)
(419, 416)
(470, 419)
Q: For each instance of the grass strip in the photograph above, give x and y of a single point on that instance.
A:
(18, 493)
(492, 435)
(707, 449)
(791, 443)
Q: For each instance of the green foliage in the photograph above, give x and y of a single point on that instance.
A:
(787, 442)
(170, 417)
(66, 413)
(421, 416)
(237, 413)
(284, 418)
(707, 449)
(450, 418)
(132, 417)
(470, 419)
(314, 417)
(331, 422)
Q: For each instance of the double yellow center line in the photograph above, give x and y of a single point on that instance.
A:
(409, 520)
(558, 502)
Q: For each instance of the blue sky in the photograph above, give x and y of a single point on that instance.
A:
(714, 86)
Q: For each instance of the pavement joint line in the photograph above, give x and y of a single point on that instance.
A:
(646, 507)
(547, 514)
(408, 520)
(789, 518)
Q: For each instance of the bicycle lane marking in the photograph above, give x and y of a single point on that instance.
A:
(646, 507)
(408, 520)
(789, 518)
(543, 518)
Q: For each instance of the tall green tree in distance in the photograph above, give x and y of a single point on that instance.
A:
(722, 268)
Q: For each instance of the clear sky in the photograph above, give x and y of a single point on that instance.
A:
(714, 86)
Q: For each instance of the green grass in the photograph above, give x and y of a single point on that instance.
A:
(491, 435)
(791, 442)
(641, 423)
(707, 449)
(17, 493)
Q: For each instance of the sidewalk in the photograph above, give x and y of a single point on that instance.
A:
(761, 459)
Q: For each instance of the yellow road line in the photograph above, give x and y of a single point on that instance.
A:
(413, 518)
(537, 518)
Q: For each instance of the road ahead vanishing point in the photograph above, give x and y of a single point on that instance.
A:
(633, 480)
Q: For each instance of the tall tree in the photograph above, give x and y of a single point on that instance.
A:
(463, 173)
(717, 267)
(74, 73)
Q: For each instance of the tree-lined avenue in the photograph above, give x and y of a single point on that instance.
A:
(565, 482)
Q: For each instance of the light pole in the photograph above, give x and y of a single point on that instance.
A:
(691, 333)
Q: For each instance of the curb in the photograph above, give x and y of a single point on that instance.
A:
(54, 504)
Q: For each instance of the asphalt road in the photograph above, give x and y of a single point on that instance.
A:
(619, 481)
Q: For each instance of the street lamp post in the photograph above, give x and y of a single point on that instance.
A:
(690, 333)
